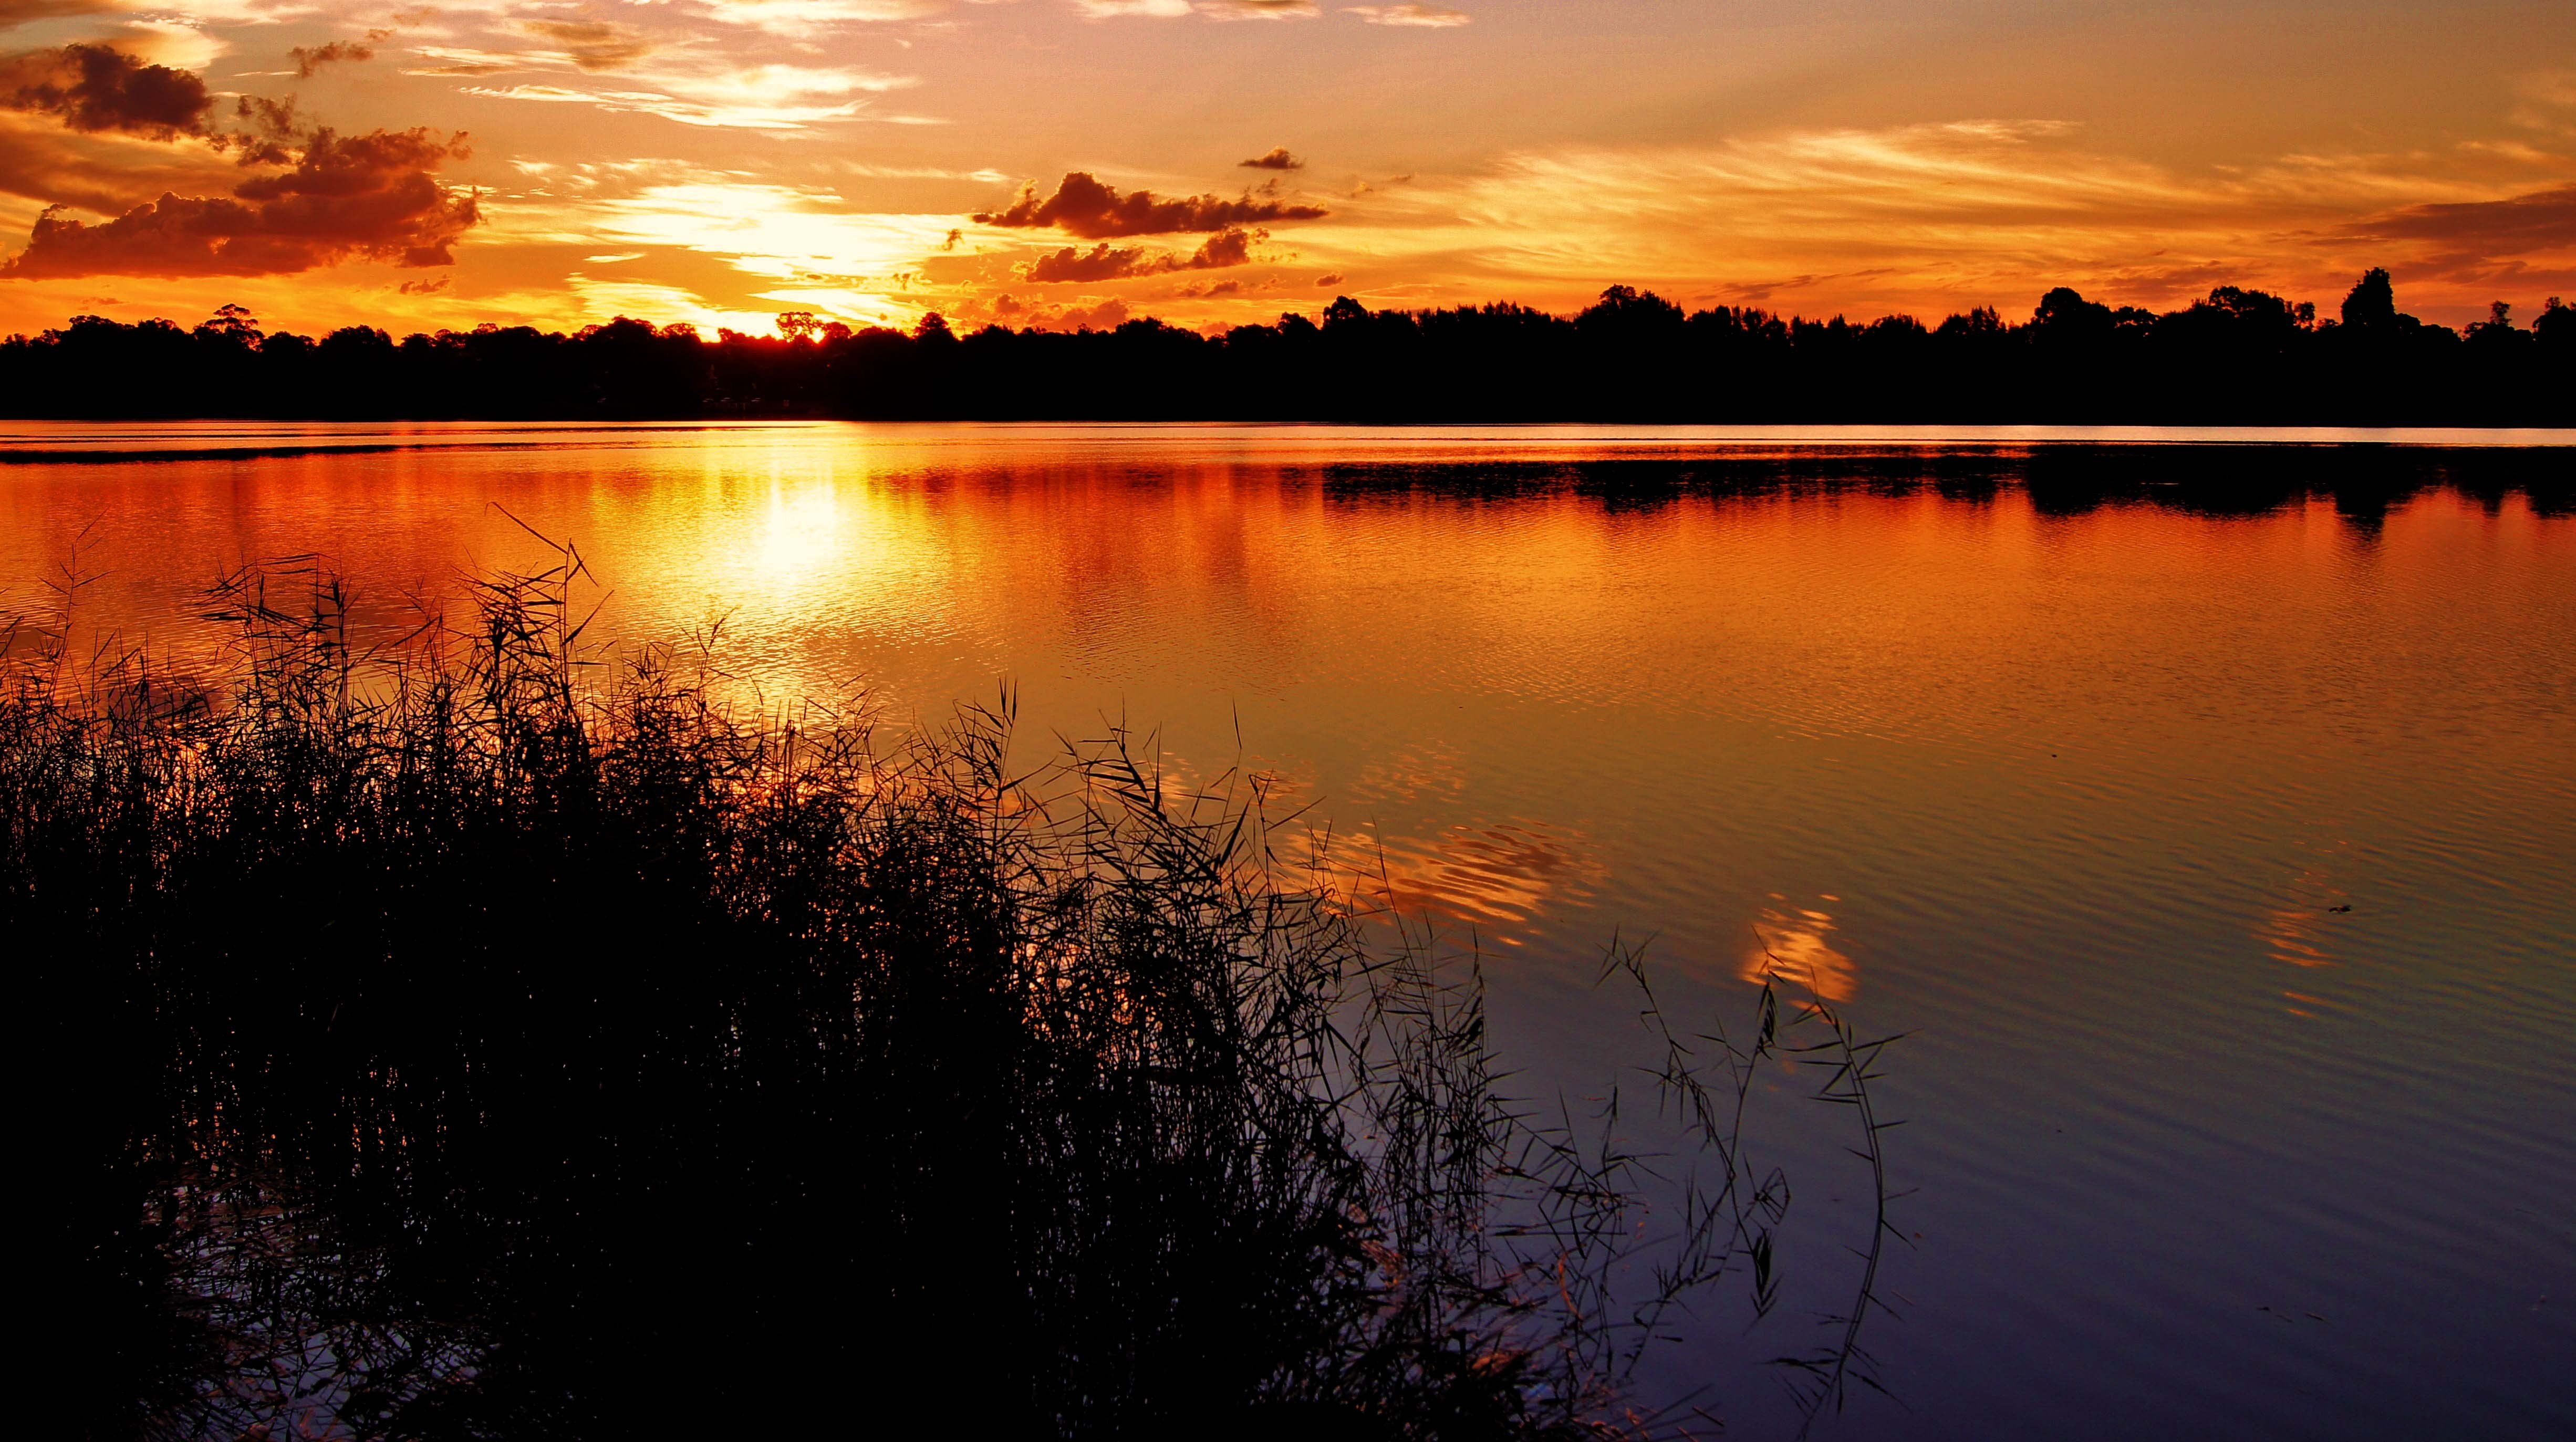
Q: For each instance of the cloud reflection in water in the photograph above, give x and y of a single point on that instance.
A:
(1790, 942)
(1496, 876)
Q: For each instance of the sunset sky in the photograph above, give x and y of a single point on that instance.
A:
(1220, 161)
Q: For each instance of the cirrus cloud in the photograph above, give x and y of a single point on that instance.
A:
(14, 13)
(801, 18)
(2541, 220)
(1942, 216)
(1416, 17)
(1260, 9)
(593, 46)
(1114, 9)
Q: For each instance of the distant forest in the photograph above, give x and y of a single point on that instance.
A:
(2243, 356)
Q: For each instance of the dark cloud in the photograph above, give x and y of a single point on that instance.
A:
(2542, 220)
(44, 162)
(270, 119)
(14, 13)
(466, 68)
(1107, 315)
(1333, 279)
(365, 197)
(1083, 206)
(1110, 262)
(310, 58)
(95, 87)
(427, 286)
(275, 134)
(1101, 262)
(593, 45)
(2479, 269)
(1276, 158)
(317, 198)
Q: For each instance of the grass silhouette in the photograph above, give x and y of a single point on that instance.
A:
(466, 1037)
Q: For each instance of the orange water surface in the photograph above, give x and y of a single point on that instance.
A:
(2221, 866)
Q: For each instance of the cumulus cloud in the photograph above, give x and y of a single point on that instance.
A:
(96, 87)
(1420, 17)
(1084, 207)
(1334, 278)
(1101, 262)
(1275, 158)
(1225, 249)
(363, 197)
(1107, 315)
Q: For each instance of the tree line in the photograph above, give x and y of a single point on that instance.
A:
(2236, 355)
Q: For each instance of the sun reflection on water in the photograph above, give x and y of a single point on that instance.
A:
(801, 534)
(2293, 932)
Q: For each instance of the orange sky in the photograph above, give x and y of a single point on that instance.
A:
(718, 161)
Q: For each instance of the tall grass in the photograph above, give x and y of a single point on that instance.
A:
(465, 1038)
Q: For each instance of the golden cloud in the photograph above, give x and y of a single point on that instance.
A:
(1933, 217)
(1420, 17)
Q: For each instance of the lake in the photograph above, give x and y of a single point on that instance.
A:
(2203, 812)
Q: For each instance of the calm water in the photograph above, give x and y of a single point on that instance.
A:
(2073, 785)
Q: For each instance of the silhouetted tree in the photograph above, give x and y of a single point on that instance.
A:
(2556, 327)
(2236, 354)
(2064, 315)
(2372, 301)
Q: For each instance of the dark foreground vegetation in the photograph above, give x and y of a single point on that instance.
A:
(2241, 356)
(465, 1041)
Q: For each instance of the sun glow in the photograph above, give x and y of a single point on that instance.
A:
(749, 156)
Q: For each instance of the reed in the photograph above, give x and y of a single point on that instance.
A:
(466, 1037)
